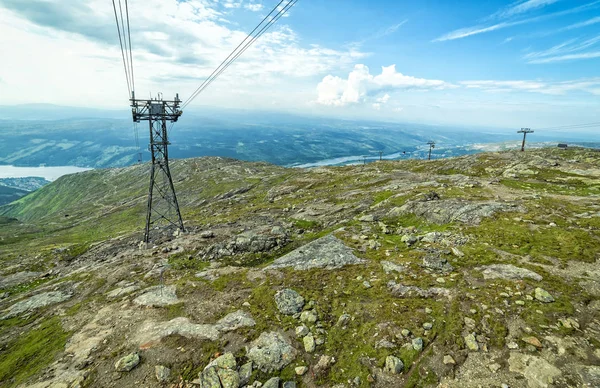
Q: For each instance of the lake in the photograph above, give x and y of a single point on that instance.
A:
(48, 173)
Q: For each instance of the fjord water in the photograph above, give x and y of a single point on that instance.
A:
(48, 173)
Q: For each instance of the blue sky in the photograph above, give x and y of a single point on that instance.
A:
(477, 63)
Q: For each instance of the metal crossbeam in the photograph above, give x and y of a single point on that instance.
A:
(163, 208)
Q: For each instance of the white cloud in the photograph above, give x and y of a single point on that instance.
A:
(524, 6)
(571, 49)
(254, 7)
(480, 29)
(589, 85)
(176, 45)
(361, 85)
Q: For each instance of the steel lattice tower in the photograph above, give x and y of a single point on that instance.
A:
(163, 208)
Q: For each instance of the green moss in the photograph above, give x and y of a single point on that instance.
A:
(306, 224)
(29, 354)
(185, 261)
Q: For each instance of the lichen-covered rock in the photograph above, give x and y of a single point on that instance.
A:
(402, 291)
(273, 382)
(271, 351)
(162, 373)
(158, 296)
(245, 373)
(471, 342)
(543, 295)
(309, 343)
(127, 363)
(393, 365)
(309, 316)
(507, 271)
(288, 301)
(437, 263)
(328, 252)
(229, 378)
(209, 378)
(225, 361)
(538, 372)
(36, 302)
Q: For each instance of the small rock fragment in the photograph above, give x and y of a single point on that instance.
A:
(417, 344)
(393, 365)
(543, 295)
(532, 341)
(301, 370)
(288, 301)
(449, 360)
(309, 316)
(309, 343)
(162, 373)
(471, 342)
(127, 363)
(245, 373)
(301, 331)
(428, 326)
(273, 382)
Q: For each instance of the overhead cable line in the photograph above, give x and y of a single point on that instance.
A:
(122, 51)
(262, 27)
(573, 126)
(130, 49)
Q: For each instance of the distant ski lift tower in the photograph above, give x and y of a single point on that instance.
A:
(431, 146)
(163, 209)
(524, 131)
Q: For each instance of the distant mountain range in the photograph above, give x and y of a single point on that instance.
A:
(36, 134)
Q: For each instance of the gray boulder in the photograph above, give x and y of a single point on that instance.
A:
(158, 296)
(271, 352)
(288, 301)
(36, 302)
(507, 271)
(393, 365)
(328, 252)
(273, 382)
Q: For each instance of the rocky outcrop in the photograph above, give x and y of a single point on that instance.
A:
(36, 302)
(328, 252)
(271, 351)
(508, 272)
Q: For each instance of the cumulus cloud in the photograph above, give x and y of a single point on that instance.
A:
(589, 85)
(361, 86)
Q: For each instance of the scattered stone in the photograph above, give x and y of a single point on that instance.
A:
(367, 285)
(289, 384)
(374, 245)
(271, 352)
(226, 361)
(207, 234)
(437, 263)
(449, 210)
(508, 272)
(428, 326)
(449, 360)
(405, 332)
(520, 302)
(417, 344)
(234, 321)
(569, 323)
(457, 252)
(36, 302)
(301, 370)
(402, 291)
(309, 343)
(162, 373)
(308, 316)
(301, 331)
(532, 341)
(512, 345)
(440, 280)
(495, 367)
(273, 382)
(471, 342)
(389, 267)
(537, 371)
(328, 252)
(288, 301)
(543, 295)
(344, 320)
(323, 365)
(367, 218)
(393, 365)
(209, 378)
(229, 378)
(409, 239)
(158, 296)
(469, 323)
(385, 344)
(127, 363)
(245, 373)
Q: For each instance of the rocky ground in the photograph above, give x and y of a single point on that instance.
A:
(470, 272)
